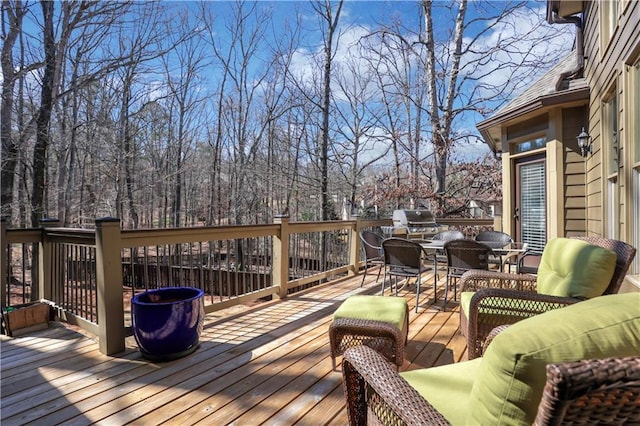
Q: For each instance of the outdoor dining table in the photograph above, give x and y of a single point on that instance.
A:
(502, 249)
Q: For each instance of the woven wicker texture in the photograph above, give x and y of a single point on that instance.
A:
(502, 298)
(594, 392)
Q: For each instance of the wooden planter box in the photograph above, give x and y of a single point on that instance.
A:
(22, 319)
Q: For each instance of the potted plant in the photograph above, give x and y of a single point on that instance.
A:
(167, 322)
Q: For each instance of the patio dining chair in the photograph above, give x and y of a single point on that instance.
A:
(403, 258)
(373, 255)
(462, 256)
(439, 256)
(497, 237)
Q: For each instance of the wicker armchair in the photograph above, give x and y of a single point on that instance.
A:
(507, 385)
(583, 392)
(502, 298)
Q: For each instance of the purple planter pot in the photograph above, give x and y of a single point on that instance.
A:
(167, 322)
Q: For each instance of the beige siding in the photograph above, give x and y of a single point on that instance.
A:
(573, 119)
(603, 71)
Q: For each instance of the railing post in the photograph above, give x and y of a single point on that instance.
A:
(354, 246)
(111, 331)
(3, 263)
(46, 281)
(280, 273)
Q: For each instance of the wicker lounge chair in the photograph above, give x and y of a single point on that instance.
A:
(588, 352)
(572, 393)
(492, 298)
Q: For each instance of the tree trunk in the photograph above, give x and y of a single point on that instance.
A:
(43, 118)
(9, 146)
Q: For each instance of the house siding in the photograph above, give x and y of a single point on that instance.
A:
(604, 72)
(573, 119)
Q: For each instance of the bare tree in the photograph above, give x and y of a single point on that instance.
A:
(329, 19)
(357, 146)
(183, 73)
(13, 13)
(456, 71)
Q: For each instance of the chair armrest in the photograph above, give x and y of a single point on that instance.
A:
(492, 335)
(475, 280)
(492, 307)
(594, 391)
(373, 387)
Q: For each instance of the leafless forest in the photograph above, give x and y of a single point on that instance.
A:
(178, 114)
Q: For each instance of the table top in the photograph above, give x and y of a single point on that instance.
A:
(496, 246)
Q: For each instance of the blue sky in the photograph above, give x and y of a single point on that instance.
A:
(360, 17)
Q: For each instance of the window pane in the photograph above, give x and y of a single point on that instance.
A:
(529, 145)
(610, 140)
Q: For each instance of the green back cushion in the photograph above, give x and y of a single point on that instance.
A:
(379, 308)
(508, 386)
(574, 268)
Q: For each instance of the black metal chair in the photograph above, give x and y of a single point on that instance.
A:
(497, 237)
(462, 256)
(439, 256)
(373, 254)
(403, 258)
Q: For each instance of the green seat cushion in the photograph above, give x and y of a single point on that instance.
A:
(465, 301)
(379, 308)
(574, 268)
(446, 387)
(511, 377)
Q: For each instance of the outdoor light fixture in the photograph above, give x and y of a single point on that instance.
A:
(584, 142)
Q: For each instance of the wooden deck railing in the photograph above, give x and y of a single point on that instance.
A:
(90, 275)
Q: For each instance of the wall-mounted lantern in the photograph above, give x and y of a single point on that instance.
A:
(584, 142)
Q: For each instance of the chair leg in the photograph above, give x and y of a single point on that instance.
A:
(384, 280)
(365, 274)
(435, 281)
(417, 293)
(455, 289)
(446, 291)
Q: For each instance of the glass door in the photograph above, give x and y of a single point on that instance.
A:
(530, 206)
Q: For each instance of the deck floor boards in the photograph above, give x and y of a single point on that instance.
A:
(269, 364)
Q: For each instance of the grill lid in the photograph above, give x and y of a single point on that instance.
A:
(413, 218)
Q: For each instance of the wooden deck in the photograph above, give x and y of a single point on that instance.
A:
(267, 365)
